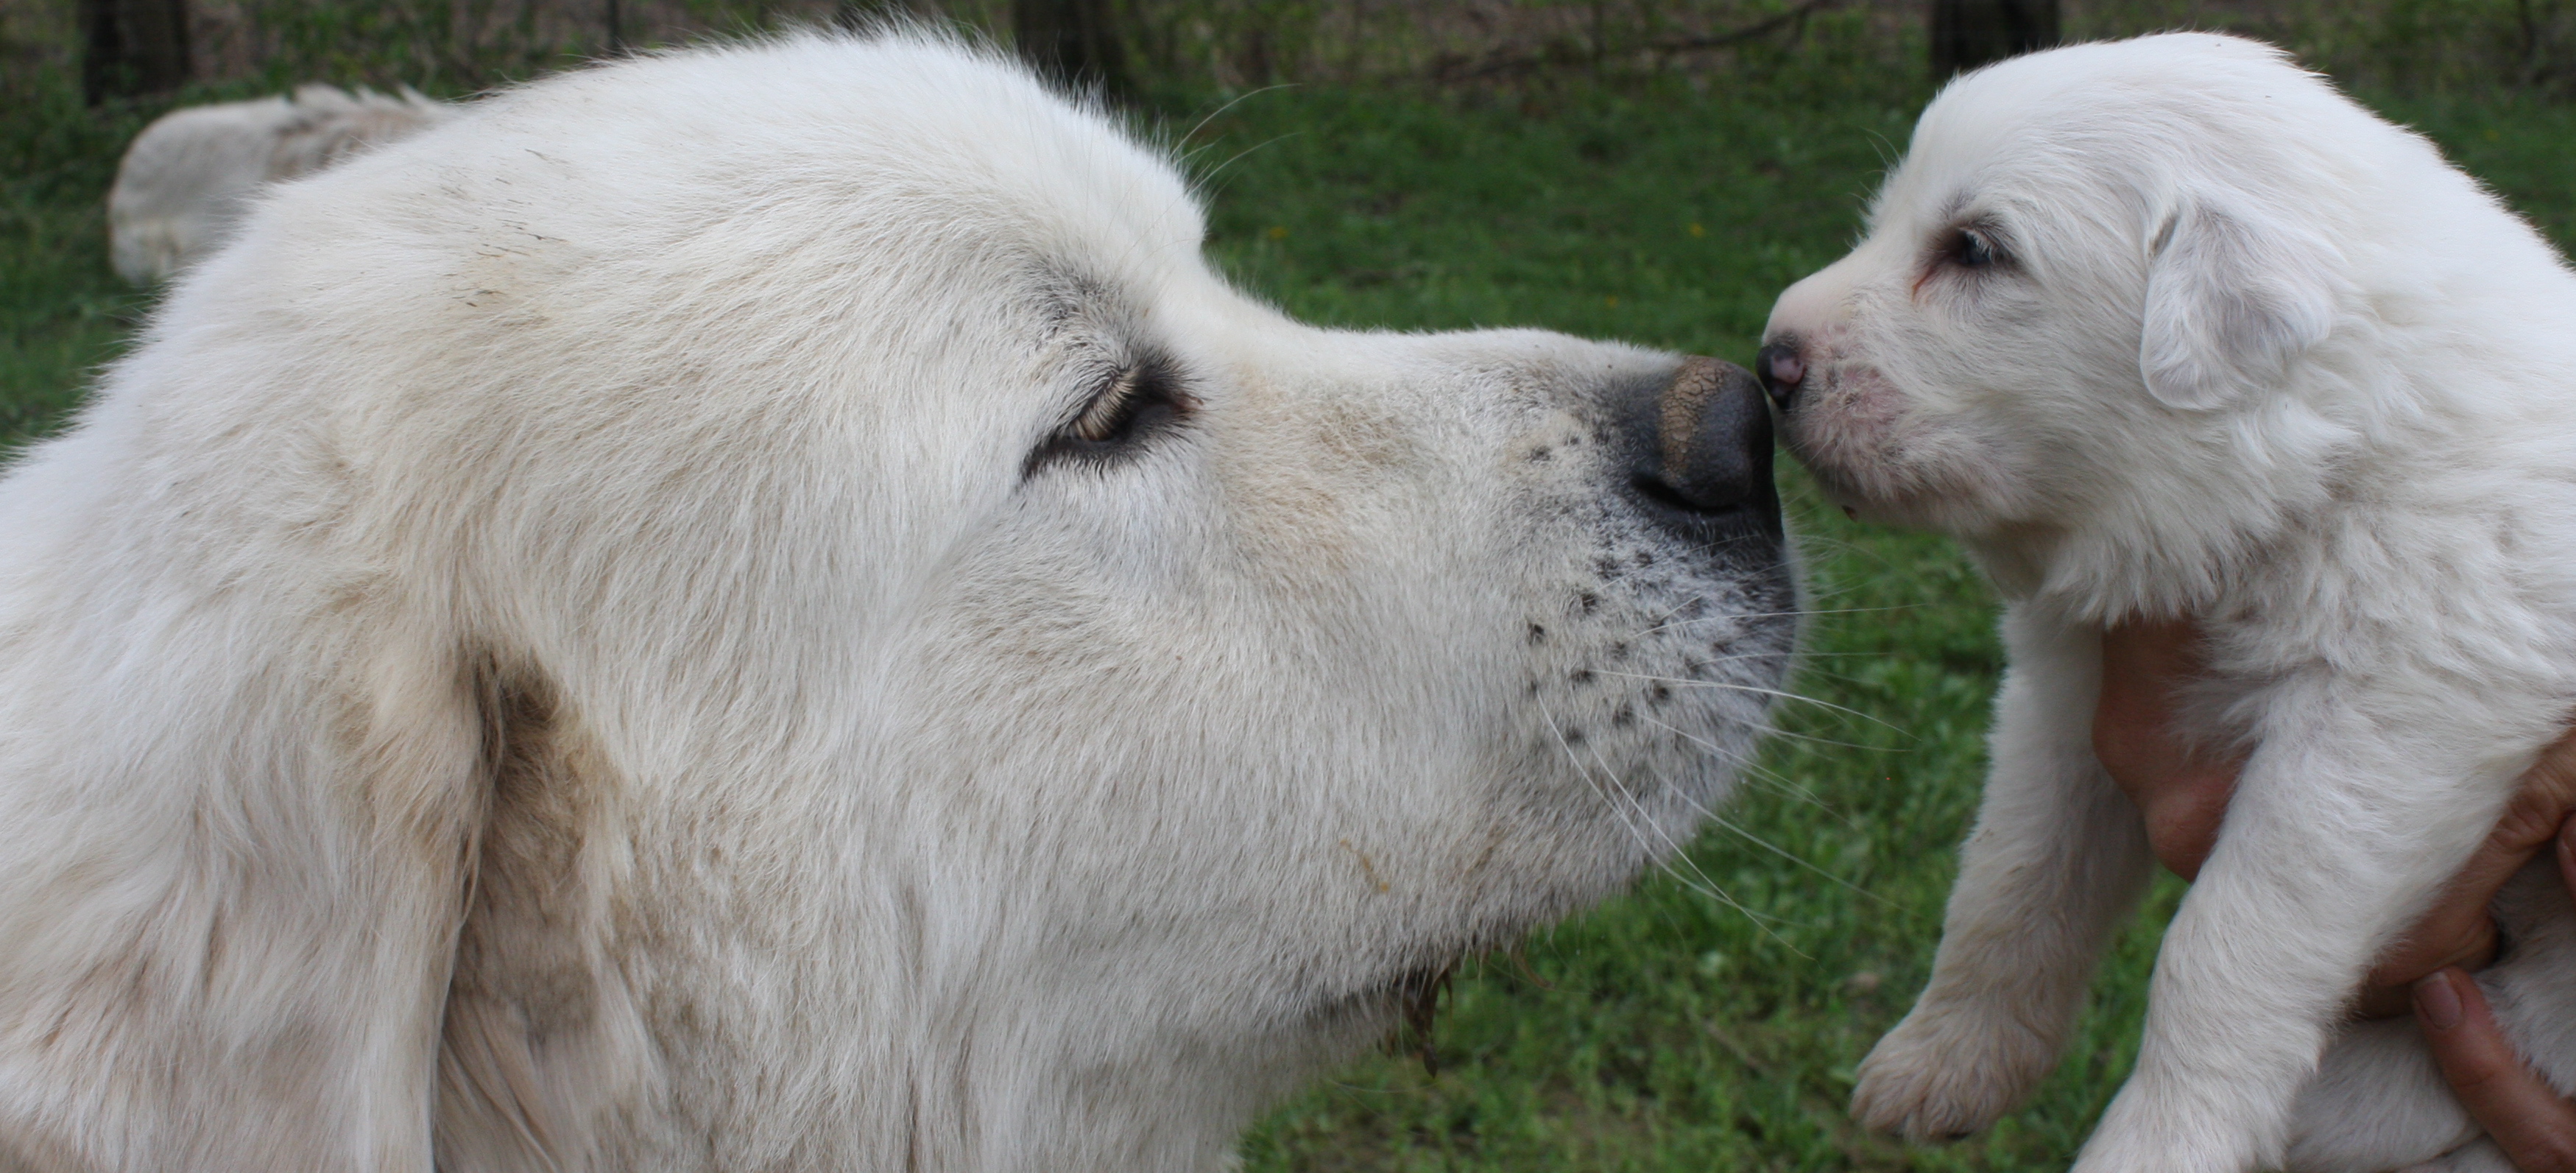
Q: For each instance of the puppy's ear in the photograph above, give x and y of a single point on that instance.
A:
(2233, 298)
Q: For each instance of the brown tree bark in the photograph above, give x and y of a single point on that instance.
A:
(1075, 43)
(132, 47)
(1970, 33)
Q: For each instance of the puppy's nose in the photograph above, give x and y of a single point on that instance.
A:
(1709, 471)
(1780, 366)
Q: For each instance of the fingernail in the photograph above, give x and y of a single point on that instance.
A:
(2437, 1004)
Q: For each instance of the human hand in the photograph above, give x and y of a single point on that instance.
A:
(2183, 791)
(2524, 1116)
(2182, 788)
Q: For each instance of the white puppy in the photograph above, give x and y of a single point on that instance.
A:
(2168, 327)
(764, 608)
(190, 176)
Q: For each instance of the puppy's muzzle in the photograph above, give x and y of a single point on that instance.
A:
(1702, 454)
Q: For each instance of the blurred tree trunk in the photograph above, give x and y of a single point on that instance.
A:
(1970, 33)
(132, 47)
(1073, 42)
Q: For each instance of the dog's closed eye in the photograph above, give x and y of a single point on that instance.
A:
(1131, 407)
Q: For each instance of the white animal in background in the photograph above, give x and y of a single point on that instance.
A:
(2168, 327)
(764, 608)
(190, 176)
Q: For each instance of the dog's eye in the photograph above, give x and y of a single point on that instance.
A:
(1972, 250)
(1133, 405)
(1111, 416)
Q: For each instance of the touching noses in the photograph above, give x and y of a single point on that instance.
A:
(1815, 310)
(1702, 463)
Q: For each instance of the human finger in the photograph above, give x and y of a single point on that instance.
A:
(2527, 1118)
(2567, 854)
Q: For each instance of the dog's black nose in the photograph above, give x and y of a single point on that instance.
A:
(1780, 366)
(1707, 468)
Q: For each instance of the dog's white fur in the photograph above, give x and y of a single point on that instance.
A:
(2255, 356)
(190, 176)
(579, 642)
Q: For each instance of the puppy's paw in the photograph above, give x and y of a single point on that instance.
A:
(1942, 1074)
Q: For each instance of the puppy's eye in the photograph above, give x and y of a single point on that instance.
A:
(1972, 250)
(1130, 408)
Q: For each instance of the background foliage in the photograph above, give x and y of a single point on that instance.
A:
(1465, 163)
(453, 47)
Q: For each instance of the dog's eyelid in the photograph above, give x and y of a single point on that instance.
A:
(1098, 414)
(1132, 402)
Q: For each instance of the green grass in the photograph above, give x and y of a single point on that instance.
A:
(63, 312)
(1711, 1018)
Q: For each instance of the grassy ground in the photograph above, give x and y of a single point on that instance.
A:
(1709, 1020)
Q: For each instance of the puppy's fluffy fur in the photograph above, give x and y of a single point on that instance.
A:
(2169, 327)
(763, 608)
(190, 176)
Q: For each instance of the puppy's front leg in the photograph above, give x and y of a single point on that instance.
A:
(2058, 858)
(2340, 830)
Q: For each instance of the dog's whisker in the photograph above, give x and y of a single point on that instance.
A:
(1705, 886)
(1792, 857)
(1757, 690)
(1219, 112)
(1753, 771)
(1740, 616)
(1586, 774)
(1773, 848)
(1708, 886)
(1838, 743)
(1211, 192)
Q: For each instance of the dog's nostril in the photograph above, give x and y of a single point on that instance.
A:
(1655, 490)
(1780, 367)
(1710, 458)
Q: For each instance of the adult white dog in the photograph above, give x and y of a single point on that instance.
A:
(2168, 327)
(190, 176)
(764, 608)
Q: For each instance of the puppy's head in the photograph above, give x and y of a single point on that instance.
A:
(2089, 262)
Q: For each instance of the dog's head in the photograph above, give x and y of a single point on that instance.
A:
(2089, 291)
(957, 678)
